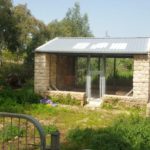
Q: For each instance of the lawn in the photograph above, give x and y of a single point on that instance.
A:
(82, 128)
(112, 127)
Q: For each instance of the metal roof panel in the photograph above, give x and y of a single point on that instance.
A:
(97, 45)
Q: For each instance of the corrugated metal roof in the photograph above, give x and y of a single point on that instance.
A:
(97, 46)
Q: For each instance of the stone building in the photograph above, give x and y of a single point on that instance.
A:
(55, 66)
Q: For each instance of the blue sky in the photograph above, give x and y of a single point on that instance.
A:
(120, 18)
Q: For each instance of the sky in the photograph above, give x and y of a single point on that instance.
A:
(119, 18)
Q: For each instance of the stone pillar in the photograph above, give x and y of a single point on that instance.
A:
(41, 72)
(141, 77)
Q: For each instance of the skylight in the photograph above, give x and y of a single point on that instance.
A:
(118, 46)
(81, 45)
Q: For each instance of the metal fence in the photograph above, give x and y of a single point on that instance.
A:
(23, 132)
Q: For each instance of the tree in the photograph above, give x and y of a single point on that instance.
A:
(8, 30)
(74, 24)
(55, 29)
(33, 32)
(38, 38)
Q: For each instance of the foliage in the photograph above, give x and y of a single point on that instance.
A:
(23, 33)
(68, 100)
(8, 105)
(9, 31)
(51, 128)
(21, 96)
(122, 77)
(12, 57)
(124, 67)
(132, 133)
(24, 72)
(9, 132)
(32, 31)
(16, 100)
(74, 24)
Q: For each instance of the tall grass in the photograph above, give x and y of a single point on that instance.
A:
(126, 133)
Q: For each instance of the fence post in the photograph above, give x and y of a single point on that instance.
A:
(55, 143)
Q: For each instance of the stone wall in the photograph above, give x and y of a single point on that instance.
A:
(41, 72)
(80, 96)
(141, 77)
(53, 71)
(59, 71)
(77, 95)
(124, 100)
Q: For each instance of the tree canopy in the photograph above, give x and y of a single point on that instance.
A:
(74, 24)
(8, 29)
(20, 31)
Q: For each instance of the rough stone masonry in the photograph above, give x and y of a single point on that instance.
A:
(52, 70)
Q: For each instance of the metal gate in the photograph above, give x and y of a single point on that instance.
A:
(23, 132)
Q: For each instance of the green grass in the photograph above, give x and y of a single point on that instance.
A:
(125, 133)
(82, 128)
(112, 127)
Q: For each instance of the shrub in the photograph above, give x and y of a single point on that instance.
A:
(126, 133)
(15, 100)
(50, 129)
(8, 105)
(21, 96)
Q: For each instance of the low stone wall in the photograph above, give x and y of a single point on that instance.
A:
(76, 95)
(125, 100)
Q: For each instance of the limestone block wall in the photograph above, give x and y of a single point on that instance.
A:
(53, 71)
(129, 101)
(141, 77)
(76, 95)
(41, 72)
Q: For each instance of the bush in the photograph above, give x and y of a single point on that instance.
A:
(50, 129)
(11, 106)
(24, 72)
(126, 133)
(15, 100)
(21, 96)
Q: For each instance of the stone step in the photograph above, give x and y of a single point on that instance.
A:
(93, 103)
